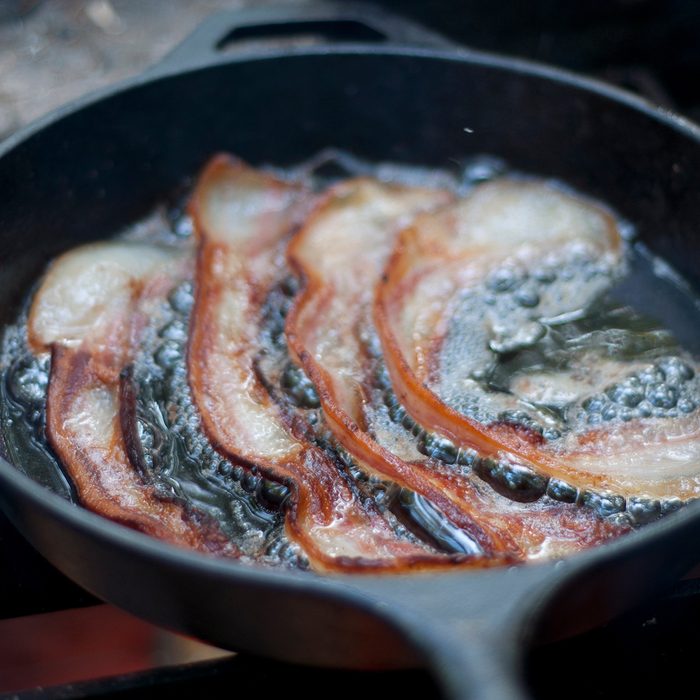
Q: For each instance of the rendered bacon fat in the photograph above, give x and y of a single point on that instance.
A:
(243, 219)
(452, 375)
(89, 313)
(489, 276)
(340, 254)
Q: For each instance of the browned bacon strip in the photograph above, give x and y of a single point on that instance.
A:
(243, 219)
(505, 225)
(90, 311)
(340, 253)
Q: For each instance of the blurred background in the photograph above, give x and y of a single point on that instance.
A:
(54, 50)
(54, 640)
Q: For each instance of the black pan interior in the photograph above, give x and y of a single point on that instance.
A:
(87, 175)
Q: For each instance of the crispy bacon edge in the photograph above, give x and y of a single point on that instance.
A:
(453, 494)
(317, 487)
(492, 440)
(74, 372)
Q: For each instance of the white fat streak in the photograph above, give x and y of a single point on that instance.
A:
(86, 288)
(232, 207)
(93, 417)
(587, 375)
(258, 430)
(653, 450)
(505, 213)
(91, 425)
(350, 241)
(347, 243)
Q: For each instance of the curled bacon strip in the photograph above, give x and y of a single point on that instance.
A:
(90, 312)
(340, 253)
(441, 257)
(243, 219)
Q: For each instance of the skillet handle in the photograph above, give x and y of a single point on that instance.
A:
(471, 630)
(346, 22)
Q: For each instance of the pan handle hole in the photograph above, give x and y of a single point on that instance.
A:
(301, 33)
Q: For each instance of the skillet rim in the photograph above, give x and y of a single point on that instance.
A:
(176, 67)
(310, 582)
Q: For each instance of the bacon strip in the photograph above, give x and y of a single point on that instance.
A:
(340, 253)
(243, 219)
(439, 258)
(89, 312)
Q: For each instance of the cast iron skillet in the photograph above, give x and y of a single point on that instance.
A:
(89, 169)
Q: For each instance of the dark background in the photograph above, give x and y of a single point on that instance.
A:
(607, 38)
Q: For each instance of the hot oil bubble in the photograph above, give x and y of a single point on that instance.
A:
(273, 493)
(594, 404)
(686, 405)
(175, 330)
(604, 503)
(504, 279)
(544, 275)
(181, 298)
(662, 395)
(676, 371)
(167, 355)
(438, 448)
(528, 297)
(299, 387)
(627, 393)
(561, 491)
(516, 481)
(28, 381)
(643, 510)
